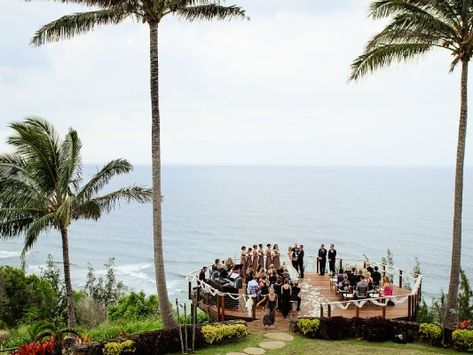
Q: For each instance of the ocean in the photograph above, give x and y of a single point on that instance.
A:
(210, 212)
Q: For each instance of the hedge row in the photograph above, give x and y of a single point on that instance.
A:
(371, 329)
(168, 341)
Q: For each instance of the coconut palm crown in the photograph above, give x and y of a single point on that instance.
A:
(42, 189)
(415, 27)
(150, 12)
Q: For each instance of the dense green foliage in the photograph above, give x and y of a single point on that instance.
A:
(308, 327)
(134, 306)
(215, 333)
(430, 332)
(25, 298)
(465, 297)
(463, 339)
(119, 348)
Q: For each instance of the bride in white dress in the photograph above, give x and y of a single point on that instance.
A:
(287, 264)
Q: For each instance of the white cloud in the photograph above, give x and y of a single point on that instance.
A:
(269, 91)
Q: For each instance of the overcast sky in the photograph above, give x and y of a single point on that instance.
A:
(271, 91)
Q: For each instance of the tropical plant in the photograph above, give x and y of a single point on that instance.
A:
(134, 306)
(150, 12)
(41, 189)
(465, 297)
(416, 27)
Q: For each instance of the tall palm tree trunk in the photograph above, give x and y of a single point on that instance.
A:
(451, 315)
(71, 318)
(165, 308)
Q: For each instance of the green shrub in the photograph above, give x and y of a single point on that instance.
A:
(117, 348)
(463, 339)
(132, 328)
(25, 299)
(216, 333)
(134, 306)
(105, 332)
(308, 327)
(430, 332)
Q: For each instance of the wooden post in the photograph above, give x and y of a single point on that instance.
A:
(340, 267)
(357, 311)
(400, 278)
(321, 311)
(409, 307)
(223, 307)
(384, 270)
(317, 264)
(253, 309)
(218, 308)
(190, 290)
(329, 310)
(384, 311)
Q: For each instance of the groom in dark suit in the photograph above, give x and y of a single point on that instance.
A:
(300, 260)
(322, 257)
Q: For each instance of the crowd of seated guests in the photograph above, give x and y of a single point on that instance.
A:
(361, 282)
(259, 270)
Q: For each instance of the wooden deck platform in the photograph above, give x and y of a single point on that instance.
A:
(315, 286)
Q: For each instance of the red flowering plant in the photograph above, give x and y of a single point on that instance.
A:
(466, 324)
(37, 348)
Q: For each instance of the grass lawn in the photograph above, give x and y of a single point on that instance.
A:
(302, 345)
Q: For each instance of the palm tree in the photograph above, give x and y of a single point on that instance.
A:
(150, 12)
(41, 189)
(416, 27)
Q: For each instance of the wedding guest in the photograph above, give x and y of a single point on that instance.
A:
(361, 290)
(202, 274)
(276, 257)
(264, 285)
(340, 276)
(249, 273)
(322, 258)
(271, 302)
(216, 265)
(277, 289)
(376, 275)
(300, 261)
(229, 263)
(285, 298)
(387, 287)
(243, 261)
(332, 256)
(252, 288)
(272, 276)
(295, 294)
(268, 255)
(259, 271)
(345, 283)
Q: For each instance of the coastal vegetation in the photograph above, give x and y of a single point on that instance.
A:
(150, 12)
(415, 28)
(42, 188)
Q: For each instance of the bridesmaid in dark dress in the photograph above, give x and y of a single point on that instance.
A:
(285, 298)
(243, 257)
(249, 258)
(269, 259)
(255, 257)
(271, 302)
(276, 257)
(260, 255)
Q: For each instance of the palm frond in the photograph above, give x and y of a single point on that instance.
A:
(100, 179)
(71, 25)
(138, 194)
(210, 12)
(385, 55)
(39, 225)
(70, 162)
(36, 141)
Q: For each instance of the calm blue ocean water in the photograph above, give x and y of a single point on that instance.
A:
(210, 212)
